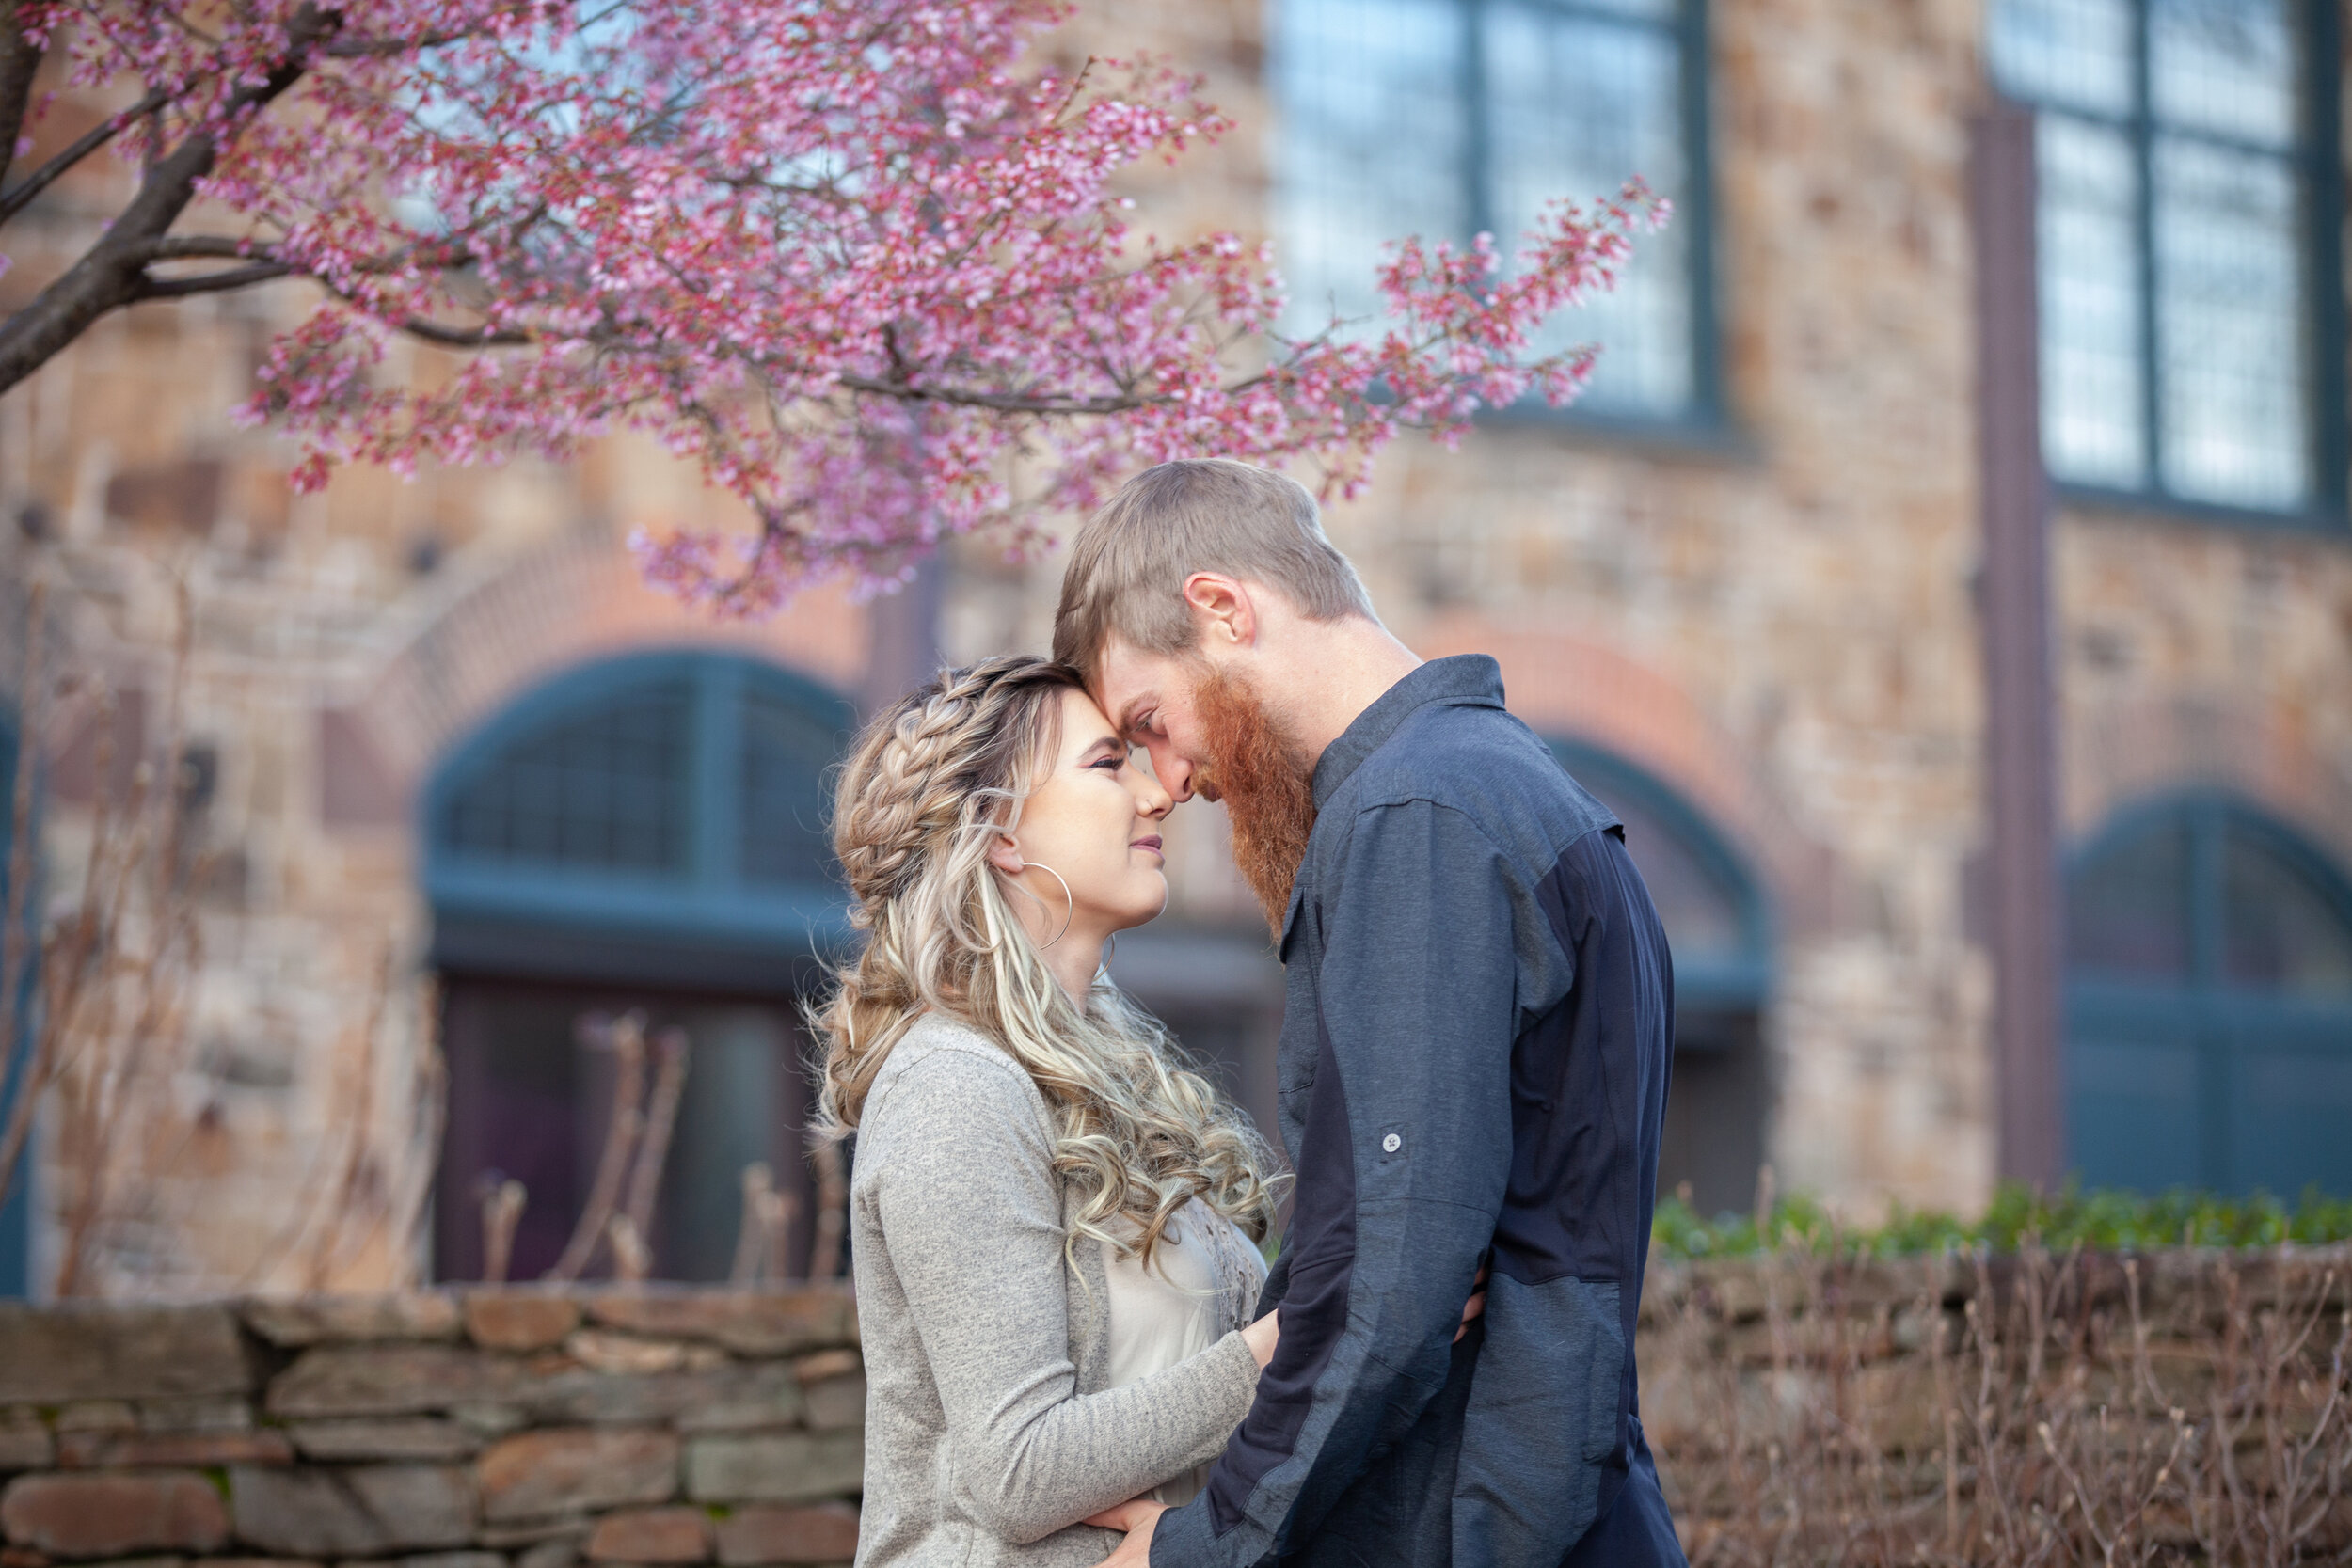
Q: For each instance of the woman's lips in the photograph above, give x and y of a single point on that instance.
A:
(1152, 844)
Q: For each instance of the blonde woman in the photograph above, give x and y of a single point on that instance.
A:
(1053, 1222)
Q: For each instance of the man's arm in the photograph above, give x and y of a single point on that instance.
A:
(1401, 1174)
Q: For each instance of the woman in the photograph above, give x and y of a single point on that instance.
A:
(1053, 1221)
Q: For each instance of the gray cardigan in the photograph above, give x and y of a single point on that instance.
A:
(987, 1431)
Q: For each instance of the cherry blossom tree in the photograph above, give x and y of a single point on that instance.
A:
(867, 262)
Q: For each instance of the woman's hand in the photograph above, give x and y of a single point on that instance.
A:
(1127, 1515)
(1260, 1337)
(1472, 1310)
(1136, 1516)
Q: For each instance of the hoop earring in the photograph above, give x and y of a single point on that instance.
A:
(1069, 903)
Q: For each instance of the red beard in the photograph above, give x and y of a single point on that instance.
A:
(1267, 785)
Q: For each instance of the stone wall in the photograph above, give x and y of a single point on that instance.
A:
(1802, 1409)
(495, 1429)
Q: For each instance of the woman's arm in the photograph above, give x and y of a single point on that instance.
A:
(971, 1214)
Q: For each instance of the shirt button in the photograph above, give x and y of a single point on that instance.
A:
(1391, 1142)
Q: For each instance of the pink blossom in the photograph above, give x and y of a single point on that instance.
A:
(856, 259)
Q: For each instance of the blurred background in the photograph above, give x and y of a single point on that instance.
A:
(1946, 579)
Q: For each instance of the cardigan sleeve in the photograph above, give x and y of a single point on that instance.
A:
(971, 1217)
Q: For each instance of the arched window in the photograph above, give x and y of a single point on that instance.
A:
(672, 797)
(643, 833)
(1720, 931)
(2209, 1002)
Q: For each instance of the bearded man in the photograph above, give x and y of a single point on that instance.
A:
(1476, 1040)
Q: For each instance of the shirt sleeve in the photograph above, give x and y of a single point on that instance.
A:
(1401, 1172)
(971, 1216)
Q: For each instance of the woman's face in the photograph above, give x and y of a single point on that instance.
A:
(1095, 818)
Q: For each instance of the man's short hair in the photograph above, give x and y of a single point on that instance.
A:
(1129, 563)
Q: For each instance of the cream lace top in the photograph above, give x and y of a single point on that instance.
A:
(1203, 1281)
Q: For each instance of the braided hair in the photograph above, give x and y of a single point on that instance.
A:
(931, 783)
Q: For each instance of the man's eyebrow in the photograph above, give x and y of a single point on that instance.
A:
(1125, 723)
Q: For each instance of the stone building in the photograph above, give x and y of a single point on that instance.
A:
(2001, 826)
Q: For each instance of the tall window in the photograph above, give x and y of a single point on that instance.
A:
(643, 834)
(2183, 149)
(1450, 118)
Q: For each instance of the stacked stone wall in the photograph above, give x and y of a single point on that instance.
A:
(2192, 1405)
(506, 1429)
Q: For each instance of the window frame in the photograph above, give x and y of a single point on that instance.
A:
(1703, 421)
(2206, 817)
(2318, 163)
(487, 905)
(2219, 1029)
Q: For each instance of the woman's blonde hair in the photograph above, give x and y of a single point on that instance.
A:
(927, 788)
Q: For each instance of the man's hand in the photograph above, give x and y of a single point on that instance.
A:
(1138, 1517)
(1474, 1307)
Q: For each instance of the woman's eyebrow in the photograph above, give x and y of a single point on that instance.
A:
(1101, 745)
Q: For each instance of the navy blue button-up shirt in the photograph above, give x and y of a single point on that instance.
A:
(1473, 1067)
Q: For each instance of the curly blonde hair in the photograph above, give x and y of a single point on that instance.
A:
(931, 783)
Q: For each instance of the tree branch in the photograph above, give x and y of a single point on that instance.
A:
(19, 60)
(212, 282)
(112, 272)
(19, 195)
(465, 337)
(1015, 402)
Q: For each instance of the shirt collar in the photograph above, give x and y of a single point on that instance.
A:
(1469, 679)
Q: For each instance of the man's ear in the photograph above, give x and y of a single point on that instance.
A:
(1222, 610)
(1005, 855)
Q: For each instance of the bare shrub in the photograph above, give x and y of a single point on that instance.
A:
(1821, 1406)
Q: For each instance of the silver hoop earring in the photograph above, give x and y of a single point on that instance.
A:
(1069, 903)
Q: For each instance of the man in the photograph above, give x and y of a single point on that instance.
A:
(1475, 1045)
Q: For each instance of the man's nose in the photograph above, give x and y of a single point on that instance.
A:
(1175, 775)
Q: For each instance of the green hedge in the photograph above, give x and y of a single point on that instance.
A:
(2102, 1220)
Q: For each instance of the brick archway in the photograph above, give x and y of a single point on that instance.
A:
(557, 608)
(2133, 751)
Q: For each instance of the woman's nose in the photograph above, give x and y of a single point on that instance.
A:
(1152, 800)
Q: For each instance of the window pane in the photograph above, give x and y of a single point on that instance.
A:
(1373, 145)
(1574, 107)
(2224, 66)
(2230, 313)
(2280, 930)
(2127, 912)
(2076, 54)
(1653, 10)
(2092, 422)
(786, 752)
(603, 788)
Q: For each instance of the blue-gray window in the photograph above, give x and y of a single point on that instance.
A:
(1452, 118)
(647, 833)
(676, 792)
(2209, 999)
(2190, 319)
